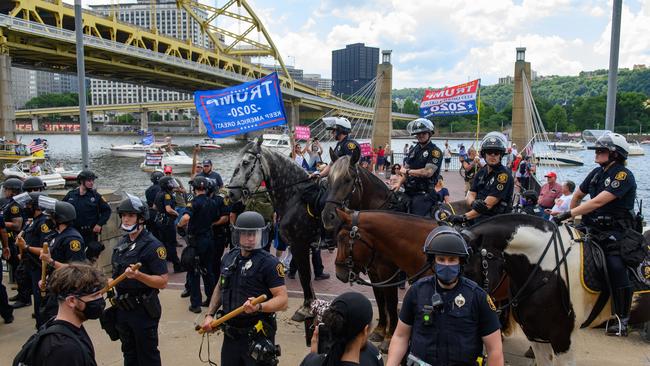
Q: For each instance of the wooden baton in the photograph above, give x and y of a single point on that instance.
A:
(217, 322)
(119, 279)
(46, 250)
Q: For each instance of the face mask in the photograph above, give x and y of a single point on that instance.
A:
(447, 273)
(129, 228)
(94, 308)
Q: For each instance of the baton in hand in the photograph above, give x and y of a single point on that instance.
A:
(46, 250)
(119, 279)
(217, 322)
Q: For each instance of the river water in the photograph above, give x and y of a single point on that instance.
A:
(124, 173)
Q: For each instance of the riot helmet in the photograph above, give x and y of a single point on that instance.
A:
(200, 183)
(613, 142)
(133, 204)
(494, 141)
(32, 184)
(156, 176)
(22, 199)
(420, 125)
(444, 240)
(14, 184)
(250, 231)
(168, 183)
(85, 175)
(64, 213)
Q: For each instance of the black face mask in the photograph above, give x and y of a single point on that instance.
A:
(94, 308)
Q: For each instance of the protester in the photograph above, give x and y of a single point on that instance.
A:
(447, 156)
(441, 191)
(562, 204)
(549, 192)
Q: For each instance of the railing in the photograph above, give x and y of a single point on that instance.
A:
(454, 164)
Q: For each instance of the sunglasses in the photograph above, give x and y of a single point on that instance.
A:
(492, 153)
(602, 151)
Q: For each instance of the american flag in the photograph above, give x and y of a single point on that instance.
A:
(36, 146)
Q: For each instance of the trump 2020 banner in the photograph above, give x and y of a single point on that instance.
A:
(450, 101)
(251, 106)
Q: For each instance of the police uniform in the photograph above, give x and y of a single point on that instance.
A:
(203, 213)
(450, 334)
(150, 194)
(496, 183)
(615, 217)
(241, 278)
(6, 311)
(346, 147)
(92, 209)
(138, 307)
(165, 224)
(220, 233)
(39, 231)
(421, 190)
(214, 176)
(11, 211)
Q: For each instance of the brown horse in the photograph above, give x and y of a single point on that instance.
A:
(520, 246)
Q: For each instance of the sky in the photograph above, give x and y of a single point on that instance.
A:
(444, 42)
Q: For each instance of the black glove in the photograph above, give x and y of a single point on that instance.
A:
(561, 217)
(457, 219)
(181, 231)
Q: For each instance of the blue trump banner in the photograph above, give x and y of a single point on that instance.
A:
(251, 106)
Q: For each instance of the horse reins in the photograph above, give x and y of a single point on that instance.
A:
(356, 187)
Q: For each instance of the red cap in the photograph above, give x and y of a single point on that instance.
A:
(551, 175)
(263, 184)
(168, 169)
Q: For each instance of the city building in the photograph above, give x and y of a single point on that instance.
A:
(170, 21)
(506, 80)
(296, 74)
(316, 81)
(353, 67)
(28, 84)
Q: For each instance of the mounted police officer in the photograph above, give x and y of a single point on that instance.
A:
(14, 219)
(249, 271)
(340, 128)
(150, 195)
(491, 192)
(137, 308)
(609, 217)
(92, 212)
(446, 318)
(198, 218)
(419, 174)
(166, 214)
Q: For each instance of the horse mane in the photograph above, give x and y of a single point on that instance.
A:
(272, 157)
(339, 169)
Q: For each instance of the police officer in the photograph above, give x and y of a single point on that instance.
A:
(491, 192)
(249, 271)
(340, 128)
(419, 174)
(221, 228)
(198, 219)
(138, 308)
(14, 218)
(446, 317)
(66, 246)
(150, 194)
(210, 174)
(612, 188)
(33, 184)
(166, 214)
(92, 212)
(6, 311)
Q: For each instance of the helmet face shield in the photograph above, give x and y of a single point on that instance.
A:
(22, 199)
(136, 202)
(420, 125)
(46, 203)
(249, 239)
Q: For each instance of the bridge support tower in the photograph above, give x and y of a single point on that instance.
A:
(520, 134)
(144, 119)
(7, 112)
(383, 123)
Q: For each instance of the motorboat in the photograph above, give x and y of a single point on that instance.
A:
(556, 158)
(209, 143)
(568, 145)
(13, 150)
(158, 160)
(35, 166)
(279, 143)
(645, 142)
(70, 175)
(636, 149)
(140, 149)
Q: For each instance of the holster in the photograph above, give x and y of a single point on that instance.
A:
(152, 305)
(108, 321)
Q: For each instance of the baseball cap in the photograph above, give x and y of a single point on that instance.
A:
(168, 169)
(551, 175)
(207, 162)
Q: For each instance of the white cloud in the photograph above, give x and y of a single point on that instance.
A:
(635, 37)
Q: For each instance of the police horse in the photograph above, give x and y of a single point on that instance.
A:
(549, 295)
(285, 182)
(353, 187)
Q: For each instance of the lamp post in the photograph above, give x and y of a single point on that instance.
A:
(81, 77)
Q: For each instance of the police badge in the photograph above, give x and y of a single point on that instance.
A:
(459, 300)
(425, 154)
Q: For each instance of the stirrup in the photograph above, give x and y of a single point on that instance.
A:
(618, 333)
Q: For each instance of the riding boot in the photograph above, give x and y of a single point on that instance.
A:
(622, 300)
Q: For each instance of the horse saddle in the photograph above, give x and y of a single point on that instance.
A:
(399, 202)
(311, 196)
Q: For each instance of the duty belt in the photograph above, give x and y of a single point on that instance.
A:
(414, 361)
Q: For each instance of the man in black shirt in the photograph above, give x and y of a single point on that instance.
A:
(77, 289)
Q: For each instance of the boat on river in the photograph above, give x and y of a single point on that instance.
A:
(13, 150)
(568, 145)
(158, 160)
(557, 158)
(209, 143)
(140, 149)
(636, 149)
(279, 143)
(35, 166)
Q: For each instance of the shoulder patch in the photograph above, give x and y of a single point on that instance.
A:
(352, 145)
(45, 229)
(502, 178)
(280, 269)
(500, 187)
(15, 209)
(168, 196)
(75, 245)
(616, 184)
(620, 176)
(435, 153)
(491, 303)
(162, 253)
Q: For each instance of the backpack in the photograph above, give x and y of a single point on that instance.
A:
(27, 353)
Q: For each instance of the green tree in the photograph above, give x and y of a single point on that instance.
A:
(556, 119)
(53, 100)
(589, 113)
(125, 118)
(411, 107)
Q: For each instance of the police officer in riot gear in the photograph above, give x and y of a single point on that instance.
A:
(446, 318)
(198, 218)
(136, 307)
(33, 184)
(609, 215)
(166, 214)
(419, 174)
(340, 128)
(92, 212)
(249, 271)
(14, 218)
(150, 194)
(491, 192)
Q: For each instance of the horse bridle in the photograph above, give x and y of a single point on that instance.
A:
(356, 187)
(486, 257)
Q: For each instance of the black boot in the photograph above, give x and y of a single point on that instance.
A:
(622, 301)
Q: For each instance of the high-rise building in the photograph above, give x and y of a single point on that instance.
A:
(296, 74)
(353, 67)
(28, 84)
(170, 21)
(316, 81)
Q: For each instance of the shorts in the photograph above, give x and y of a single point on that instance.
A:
(447, 160)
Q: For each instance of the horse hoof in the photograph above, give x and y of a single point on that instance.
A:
(301, 314)
(383, 347)
(376, 337)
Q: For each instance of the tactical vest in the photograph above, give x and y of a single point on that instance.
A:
(127, 253)
(451, 337)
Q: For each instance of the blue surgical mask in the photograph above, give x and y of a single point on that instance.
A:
(447, 273)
